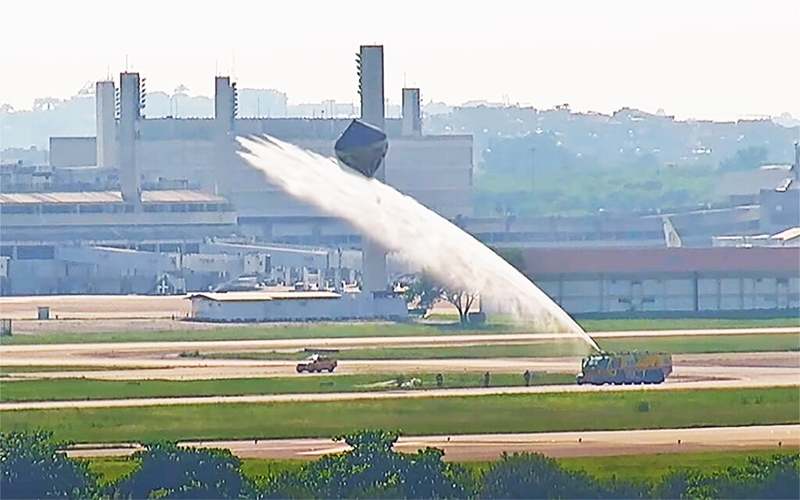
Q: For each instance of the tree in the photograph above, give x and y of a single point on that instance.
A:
(372, 469)
(426, 290)
(746, 159)
(422, 292)
(32, 466)
(532, 475)
(170, 471)
(462, 300)
(775, 478)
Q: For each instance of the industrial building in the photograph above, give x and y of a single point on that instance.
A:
(267, 306)
(669, 281)
(168, 185)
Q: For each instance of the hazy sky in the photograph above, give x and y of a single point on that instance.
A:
(722, 59)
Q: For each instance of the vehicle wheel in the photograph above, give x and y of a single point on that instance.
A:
(299, 370)
(330, 370)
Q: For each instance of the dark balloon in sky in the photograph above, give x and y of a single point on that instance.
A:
(362, 147)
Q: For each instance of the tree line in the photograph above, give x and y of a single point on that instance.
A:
(34, 465)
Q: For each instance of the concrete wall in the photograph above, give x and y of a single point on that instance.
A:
(283, 257)
(349, 306)
(105, 119)
(437, 171)
(120, 262)
(582, 294)
(73, 151)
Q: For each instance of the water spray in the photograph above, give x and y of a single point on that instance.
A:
(404, 226)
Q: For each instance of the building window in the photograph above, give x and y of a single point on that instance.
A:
(58, 209)
(17, 209)
(91, 209)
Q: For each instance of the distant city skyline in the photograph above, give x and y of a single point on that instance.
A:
(694, 59)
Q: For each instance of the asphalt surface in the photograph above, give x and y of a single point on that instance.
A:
(758, 366)
(491, 446)
(62, 351)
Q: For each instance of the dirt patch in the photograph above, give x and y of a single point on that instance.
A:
(742, 359)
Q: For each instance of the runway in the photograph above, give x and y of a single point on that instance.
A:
(491, 446)
(65, 354)
(759, 366)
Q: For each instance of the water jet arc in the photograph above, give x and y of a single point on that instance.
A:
(402, 225)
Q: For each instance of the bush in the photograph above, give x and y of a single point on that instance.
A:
(31, 466)
(170, 471)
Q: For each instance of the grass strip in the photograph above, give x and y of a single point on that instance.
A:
(649, 467)
(674, 345)
(328, 330)
(86, 389)
(425, 416)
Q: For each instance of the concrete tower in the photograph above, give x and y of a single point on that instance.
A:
(105, 117)
(412, 114)
(225, 109)
(131, 103)
(224, 103)
(370, 86)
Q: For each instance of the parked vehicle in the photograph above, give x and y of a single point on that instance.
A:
(317, 363)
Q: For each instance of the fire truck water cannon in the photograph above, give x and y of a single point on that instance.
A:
(625, 368)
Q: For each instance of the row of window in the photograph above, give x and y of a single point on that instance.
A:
(112, 208)
(47, 252)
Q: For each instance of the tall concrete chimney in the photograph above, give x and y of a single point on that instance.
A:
(370, 85)
(105, 118)
(412, 114)
(225, 109)
(130, 115)
(224, 102)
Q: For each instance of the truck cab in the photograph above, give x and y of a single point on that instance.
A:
(317, 363)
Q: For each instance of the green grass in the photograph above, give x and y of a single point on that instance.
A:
(674, 345)
(653, 467)
(463, 415)
(328, 330)
(625, 325)
(86, 389)
(111, 469)
(626, 467)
